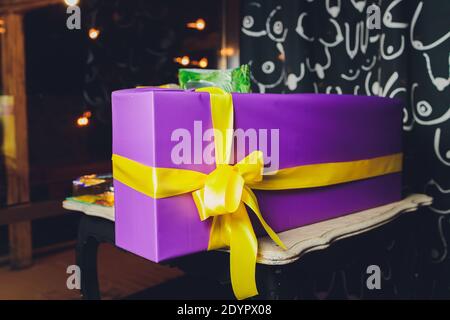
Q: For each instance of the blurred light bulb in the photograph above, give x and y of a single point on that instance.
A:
(199, 24)
(203, 63)
(226, 52)
(94, 33)
(82, 121)
(71, 2)
(87, 114)
(185, 60)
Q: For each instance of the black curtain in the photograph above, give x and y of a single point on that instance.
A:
(325, 46)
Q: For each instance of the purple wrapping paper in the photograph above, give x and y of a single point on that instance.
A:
(313, 128)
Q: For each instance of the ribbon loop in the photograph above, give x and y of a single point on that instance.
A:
(251, 167)
(223, 190)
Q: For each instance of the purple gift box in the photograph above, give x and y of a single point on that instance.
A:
(312, 128)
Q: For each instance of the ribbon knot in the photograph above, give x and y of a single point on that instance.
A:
(223, 188)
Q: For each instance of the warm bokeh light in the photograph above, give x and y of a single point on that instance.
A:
(87, 114)
(200, 24)
(184, 61)
(94, 33)
(82, 121)
(226, 52)
(71, 2)
(2, 30)
(203, 63)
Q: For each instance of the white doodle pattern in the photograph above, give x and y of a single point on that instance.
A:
(405, 59)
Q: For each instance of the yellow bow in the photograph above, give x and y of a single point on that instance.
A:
(223, 197)
(225, 193)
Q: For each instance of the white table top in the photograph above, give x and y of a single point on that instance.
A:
(307, 238)
(89, 209)
(320, 235)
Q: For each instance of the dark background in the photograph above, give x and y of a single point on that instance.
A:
(68, 73)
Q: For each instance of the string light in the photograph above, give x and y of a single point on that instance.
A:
(71, 2)
(93, 33)
(226, 52)
(199, 24)
(83, 121)
(184, 60)
(87, 114)
(203, 63)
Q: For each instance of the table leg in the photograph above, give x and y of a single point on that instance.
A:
(275, 282)
(86, 259)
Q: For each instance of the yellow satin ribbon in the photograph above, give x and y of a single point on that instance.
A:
(225, 192)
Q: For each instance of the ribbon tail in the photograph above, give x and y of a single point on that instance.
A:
(249, 198)
(236, 232)
(220, 233)
(198, 200)
(243, 251)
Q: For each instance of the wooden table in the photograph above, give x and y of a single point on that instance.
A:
(97, 225)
